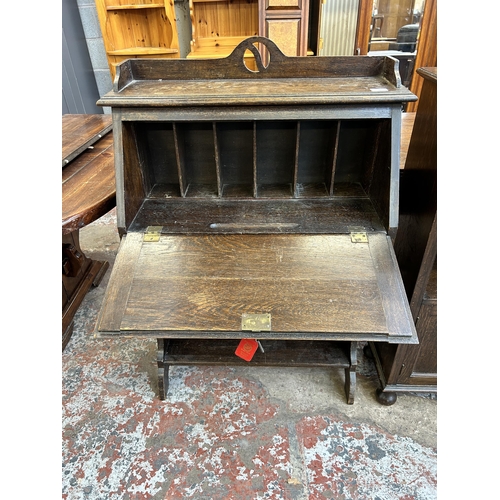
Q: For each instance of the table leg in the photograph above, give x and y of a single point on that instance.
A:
(350, 373)
(162, 369)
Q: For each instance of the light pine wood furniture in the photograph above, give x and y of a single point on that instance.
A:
(137, 28)
(257, 204)
(218, 26)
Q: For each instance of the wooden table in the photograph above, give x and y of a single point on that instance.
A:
(88, 192)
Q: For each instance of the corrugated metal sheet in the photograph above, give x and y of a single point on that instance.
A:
(338, 27)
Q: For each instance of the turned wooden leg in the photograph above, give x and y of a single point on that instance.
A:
(350, 373)
(386, 398)
(162, 370)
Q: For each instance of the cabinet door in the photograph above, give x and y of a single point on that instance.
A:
(285, 22)
(425, 368)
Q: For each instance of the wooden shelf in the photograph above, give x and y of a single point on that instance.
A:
(142, 51)
(276, 353)
(137, 29)
(258, 216)
(218, 26)
(136, 6)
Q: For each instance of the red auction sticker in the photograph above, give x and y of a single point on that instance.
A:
(246, 349)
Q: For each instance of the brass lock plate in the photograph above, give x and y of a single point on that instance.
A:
(152, 233)
(359, 237)
(256, 322)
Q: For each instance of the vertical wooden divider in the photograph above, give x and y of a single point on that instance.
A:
(255, 174)
(220, 185)
(332, 161)
(179, 155)
(119, 173)
(296, 162)
(368, 177)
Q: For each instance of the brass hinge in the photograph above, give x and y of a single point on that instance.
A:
(320, 43)
(153, 233)
(359, 238)
(256, 322)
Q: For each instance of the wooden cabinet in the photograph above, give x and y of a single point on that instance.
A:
(137, 28)
(414, 368)
(286, 23)
(257, 205)
(218, 26)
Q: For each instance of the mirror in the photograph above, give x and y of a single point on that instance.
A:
(394, 31)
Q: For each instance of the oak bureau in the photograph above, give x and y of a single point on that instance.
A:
(258, 205)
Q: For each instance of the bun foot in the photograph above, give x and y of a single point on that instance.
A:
(386, 398)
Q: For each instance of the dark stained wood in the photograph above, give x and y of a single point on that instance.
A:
(414, 368)
(88, 192)
(80, 132)
(120, 282)
(222, 277)
(257, 181)
(227, 81)
(398, 314)
(281, 353)
(198, 215)
(419, 188)
(136, 184)
(88, 186)
(282, 159)
(79, 275)
(276, 353)
(157, 286)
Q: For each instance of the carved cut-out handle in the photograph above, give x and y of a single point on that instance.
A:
(238, 54)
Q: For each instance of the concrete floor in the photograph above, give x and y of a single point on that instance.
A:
(229, 433)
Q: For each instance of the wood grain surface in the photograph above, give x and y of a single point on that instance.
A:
(81, 131)
(88, 186)
(197, 284)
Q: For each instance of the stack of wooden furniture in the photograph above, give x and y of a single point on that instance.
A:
(148, 29)
(414, 368)
(88, 192)
(137, 28)
(218, 26)
(257, 205)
